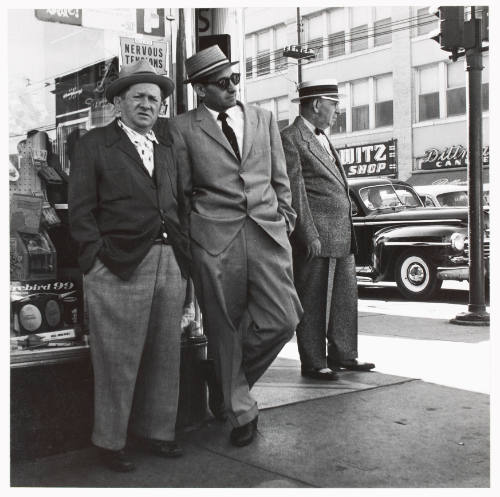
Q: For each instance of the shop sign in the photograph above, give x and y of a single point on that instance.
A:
(375, 159)
(154, 52)
(85, 88)
(151, 22)
(65, 16)
(454, 156)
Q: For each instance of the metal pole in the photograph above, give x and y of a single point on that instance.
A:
(299, 62)
(477, 309)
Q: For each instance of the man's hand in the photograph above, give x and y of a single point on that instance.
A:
(313, 249)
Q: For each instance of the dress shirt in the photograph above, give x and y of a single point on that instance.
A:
(235, 119)
(143, 144)
(321, 137)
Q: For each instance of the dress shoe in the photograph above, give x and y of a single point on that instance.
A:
(352, 364)
(215, 395)
(165, 448)
(320, 374)
(117, 460)
(243, 435)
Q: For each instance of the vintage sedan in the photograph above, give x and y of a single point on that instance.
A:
(401, 240)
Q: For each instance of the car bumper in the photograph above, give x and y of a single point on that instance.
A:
(458, 273)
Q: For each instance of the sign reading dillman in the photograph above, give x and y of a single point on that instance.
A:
(154, 52)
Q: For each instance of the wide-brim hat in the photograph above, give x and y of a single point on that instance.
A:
(206, 62)
(138, 72)
(328, 88)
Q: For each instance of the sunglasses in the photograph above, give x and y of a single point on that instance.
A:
(223, 83)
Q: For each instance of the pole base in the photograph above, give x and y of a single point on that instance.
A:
(472, 319)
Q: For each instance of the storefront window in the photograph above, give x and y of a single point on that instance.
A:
(264, 53)
(383, 101)
(359, 30)
(360, 107)
(425, 22)
(336, 28)
(428, 98)
(314, 32)
(340, 123)
(455, 93)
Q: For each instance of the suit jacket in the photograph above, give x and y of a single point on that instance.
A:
(320, 193)
(116, 208)
(225, 191)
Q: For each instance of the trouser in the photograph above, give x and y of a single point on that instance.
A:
(328, 291)
(135, 348)
(250, 310)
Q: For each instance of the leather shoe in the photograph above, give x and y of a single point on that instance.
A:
(117, 460)
(317, 374)
(352, 364)
(165, 448)
(215, 395)
(243, 435)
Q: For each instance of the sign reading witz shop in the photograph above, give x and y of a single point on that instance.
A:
(154, 52)
(375, 159)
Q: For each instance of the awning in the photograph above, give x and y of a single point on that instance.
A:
(444, 176)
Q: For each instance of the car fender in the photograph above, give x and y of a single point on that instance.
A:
(389, 242)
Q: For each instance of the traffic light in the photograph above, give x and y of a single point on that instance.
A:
(451, 27)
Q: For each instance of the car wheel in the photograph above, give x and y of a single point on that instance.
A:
(415, 276)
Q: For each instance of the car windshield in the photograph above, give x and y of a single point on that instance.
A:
(389, 196)
(452, 199)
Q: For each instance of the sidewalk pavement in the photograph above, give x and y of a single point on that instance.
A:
(367, 430)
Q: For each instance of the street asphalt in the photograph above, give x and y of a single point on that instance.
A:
(367, 430)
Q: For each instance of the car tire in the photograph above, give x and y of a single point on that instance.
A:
(416, 275)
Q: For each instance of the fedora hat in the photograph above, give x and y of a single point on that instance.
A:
(138, 72)
(205, 62)
(327, 88)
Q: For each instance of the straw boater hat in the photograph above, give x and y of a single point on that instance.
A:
(206, 62)
(138, 72)
(327, 88)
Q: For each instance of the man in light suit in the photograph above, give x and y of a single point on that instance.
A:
(240, 219)
(323, 241)
(128, 211)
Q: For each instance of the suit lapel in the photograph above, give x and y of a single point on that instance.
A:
(211, 128)
(339, 163)
(249, 130)
(318, 151)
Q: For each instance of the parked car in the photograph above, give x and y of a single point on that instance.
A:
(448, 195)
(401, 240)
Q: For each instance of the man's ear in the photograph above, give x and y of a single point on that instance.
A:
(116, 102)
(199, 89)
(315, 105)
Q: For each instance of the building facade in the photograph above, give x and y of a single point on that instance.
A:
(403, 110)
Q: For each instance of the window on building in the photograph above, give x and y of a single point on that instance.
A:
(455, 92)
(315, 35)
(280, 43)
(249, 58)
(425, 22)
(263, 53)
(428, 98)
(360, 107)
(359, 30)
(336, 30)
(340, 123)
(283, 111)
(383, 101)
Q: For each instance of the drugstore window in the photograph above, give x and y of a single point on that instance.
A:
(60, 63)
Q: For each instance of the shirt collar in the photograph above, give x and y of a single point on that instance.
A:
(310, 125)
(150, 135)
(232, 112)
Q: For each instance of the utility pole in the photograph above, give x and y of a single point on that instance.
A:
(299, 62)
(477, 313)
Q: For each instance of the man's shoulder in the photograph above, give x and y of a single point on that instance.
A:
(291, 130)
(183, 118)
(99, 134)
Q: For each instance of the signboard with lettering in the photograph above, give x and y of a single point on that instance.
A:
(450, 157)
(65, 16)
(151, 22)
(375, 159)
(85, 88)
(154, 52)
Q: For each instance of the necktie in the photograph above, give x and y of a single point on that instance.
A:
(324, 141)
(229, 132)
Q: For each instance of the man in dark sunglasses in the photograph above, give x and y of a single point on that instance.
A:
(240, 219)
